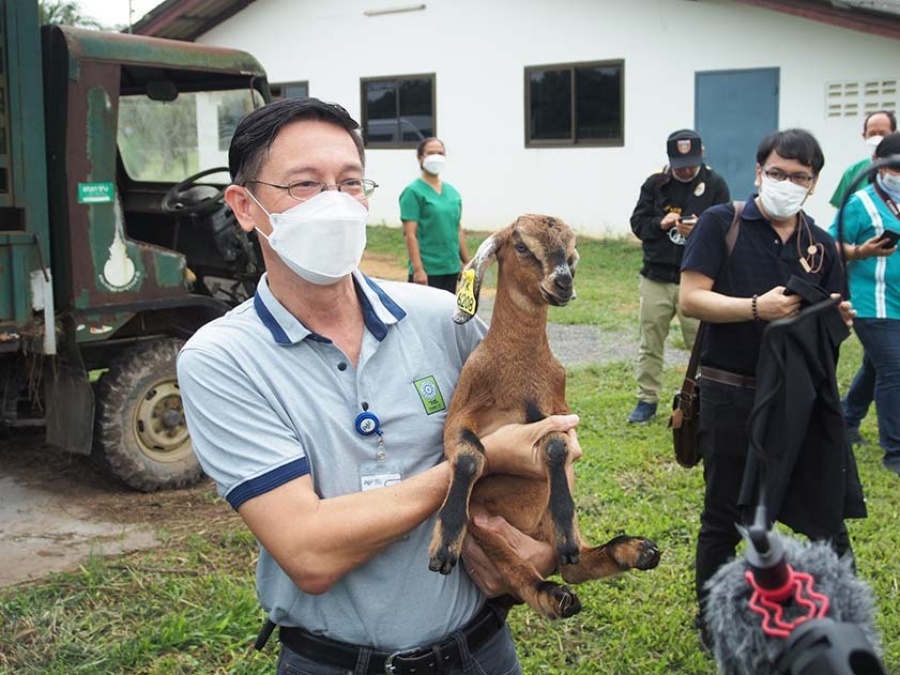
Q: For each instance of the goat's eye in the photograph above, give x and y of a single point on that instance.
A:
(521, 248)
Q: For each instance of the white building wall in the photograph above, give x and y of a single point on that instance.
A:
(478, 50)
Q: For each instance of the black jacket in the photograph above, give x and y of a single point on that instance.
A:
(661, 194)
(809, 470)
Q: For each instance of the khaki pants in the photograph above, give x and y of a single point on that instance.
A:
(659, 303)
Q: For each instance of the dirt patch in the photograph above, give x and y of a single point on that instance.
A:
(382, 266)
(58, 509)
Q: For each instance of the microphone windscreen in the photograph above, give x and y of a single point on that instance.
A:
(739, 645)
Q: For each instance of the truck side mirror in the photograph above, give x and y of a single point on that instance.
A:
(161, 90)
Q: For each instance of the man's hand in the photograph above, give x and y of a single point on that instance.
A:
(872, 248)
(420, 277)
(483, 572)
(686, 225)
(669, 221)
(776, 305)
(847, 311)
(512, 448)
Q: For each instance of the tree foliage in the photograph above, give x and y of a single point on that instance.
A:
(63, 13)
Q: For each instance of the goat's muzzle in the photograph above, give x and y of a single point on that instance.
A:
(561, 290)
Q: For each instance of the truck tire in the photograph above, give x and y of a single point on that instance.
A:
(140, 433)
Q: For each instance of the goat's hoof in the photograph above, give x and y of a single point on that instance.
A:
(557, 601)
(635, 553)
(443, 560)
(649, 556)
(568, 553)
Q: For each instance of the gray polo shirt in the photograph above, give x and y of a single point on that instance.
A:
(268, 401)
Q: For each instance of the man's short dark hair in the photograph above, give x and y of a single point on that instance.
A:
(257, 130)
(892, 118)
(796, 144)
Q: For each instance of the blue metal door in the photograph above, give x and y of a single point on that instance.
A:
(734, 110)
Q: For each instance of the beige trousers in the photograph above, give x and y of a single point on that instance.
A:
(659, 303)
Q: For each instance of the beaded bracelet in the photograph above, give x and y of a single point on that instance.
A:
(755, 308)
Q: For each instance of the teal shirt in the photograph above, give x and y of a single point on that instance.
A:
(438, 217)
(874, 282)
(849, 175)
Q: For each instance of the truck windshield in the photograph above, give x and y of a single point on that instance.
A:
(165, 141)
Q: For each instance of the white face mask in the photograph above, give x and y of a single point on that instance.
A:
(781, 199)
(872, 143)
(434, 164)
(322, 239)
(890, 182)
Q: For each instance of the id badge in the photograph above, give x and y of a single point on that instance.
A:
(378, 474)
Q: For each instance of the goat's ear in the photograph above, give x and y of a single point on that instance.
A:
(484, 256)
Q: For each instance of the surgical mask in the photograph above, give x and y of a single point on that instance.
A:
(322, 239)
(890, 182)
(872, 143)
(781, 199)
(434, 164)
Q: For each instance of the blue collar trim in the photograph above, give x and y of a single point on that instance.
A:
(269, 321)
(378, 309)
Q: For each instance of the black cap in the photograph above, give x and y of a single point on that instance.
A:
(684, 148)
(890, 145)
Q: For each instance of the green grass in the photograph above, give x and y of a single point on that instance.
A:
(189, 606)
(606, 279)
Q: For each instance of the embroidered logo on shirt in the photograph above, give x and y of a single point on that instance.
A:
(430, 394)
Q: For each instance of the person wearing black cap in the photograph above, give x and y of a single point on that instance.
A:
(873, 270)
(667, 209)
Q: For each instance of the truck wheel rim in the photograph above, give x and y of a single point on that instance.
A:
(160, 427)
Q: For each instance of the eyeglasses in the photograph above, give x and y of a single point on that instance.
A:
(801, 179)
(359, 188)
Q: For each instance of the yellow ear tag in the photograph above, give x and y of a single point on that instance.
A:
(465, 296)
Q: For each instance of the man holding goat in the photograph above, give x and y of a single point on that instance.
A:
(318, 409)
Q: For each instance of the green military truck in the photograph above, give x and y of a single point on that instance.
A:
(115, 243)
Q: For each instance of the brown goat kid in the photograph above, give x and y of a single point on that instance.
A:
(513, 377)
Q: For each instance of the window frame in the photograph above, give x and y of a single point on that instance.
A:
(364, 110)
(279, 87)
(573, 141)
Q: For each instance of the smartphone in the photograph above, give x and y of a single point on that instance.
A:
(691, 220)
(889, 238)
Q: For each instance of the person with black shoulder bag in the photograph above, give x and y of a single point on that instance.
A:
(736, 289)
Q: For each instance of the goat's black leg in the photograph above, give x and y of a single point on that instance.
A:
(553, 600)
(562, 506)
(619, 554)
(450, 529)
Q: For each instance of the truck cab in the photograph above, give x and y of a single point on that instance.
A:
(115, 242)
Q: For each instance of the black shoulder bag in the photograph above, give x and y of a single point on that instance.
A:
(685, 418)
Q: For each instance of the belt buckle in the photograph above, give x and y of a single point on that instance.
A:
(389, 667)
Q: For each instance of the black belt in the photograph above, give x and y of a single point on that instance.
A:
(724, 377)
(437, 658)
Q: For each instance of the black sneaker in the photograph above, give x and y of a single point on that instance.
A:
(643, 412)
(892, 462)
(703, 634)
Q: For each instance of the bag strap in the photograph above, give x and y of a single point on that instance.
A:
(730, 240)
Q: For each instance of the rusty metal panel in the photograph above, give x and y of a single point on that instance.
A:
(106, 266)
(139, 50)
